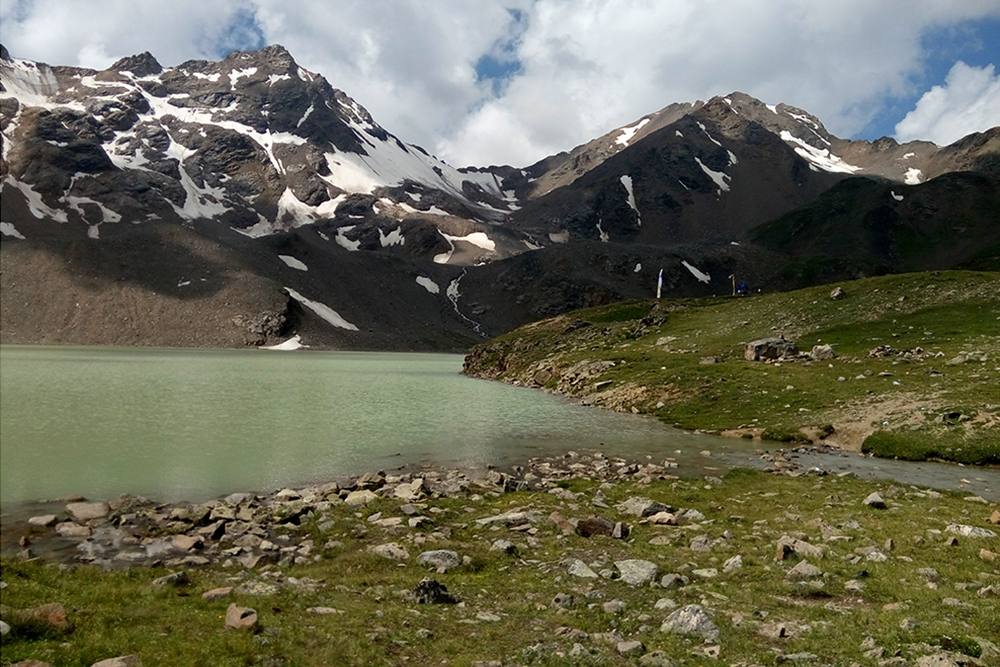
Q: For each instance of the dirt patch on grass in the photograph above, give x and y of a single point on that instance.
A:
(859, 420)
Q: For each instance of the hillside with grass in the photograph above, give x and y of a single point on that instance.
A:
(914, 372)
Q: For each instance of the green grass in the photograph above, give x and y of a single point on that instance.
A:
(943, 313)
(118, 613)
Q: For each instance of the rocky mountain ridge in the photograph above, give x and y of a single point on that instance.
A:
(272, 173)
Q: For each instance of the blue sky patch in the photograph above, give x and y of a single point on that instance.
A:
(976, 43)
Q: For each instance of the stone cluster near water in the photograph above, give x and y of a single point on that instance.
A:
(250, 534)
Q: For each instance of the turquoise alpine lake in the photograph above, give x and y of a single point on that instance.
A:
(194, 424)
(191, 425)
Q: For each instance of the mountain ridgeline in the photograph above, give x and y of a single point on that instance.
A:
(248, 201)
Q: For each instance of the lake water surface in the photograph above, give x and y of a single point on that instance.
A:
(195, 424)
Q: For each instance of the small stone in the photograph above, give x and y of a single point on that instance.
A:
(804, 570)
(656, 659)
(72, 530)
(121, 661)
(563, 600)
(663, 519)
(242, 618)
(637, 572)
(789, 546)
(43, 521)
(4, 628)
(665, 603)
(995, 518)
(360, 498)
(173, 579)
(969, 531)
(595, 525)
(429, 591)
(691, 619)
(578, 568)
(875, 501)
(505, 546)
(734, 563)
(631, 648)
(706, 573)
(391, 550)
(986, 554)
(673, 581)
(613, 607)
(187, 542)
(441, 560)
(907, 624)
(324, 611)
(621, 531)
(217, 593)
(87, 511)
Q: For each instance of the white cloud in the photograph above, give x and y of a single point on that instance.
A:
(969, 101)
(587, 66)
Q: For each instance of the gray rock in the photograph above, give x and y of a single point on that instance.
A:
(637, 572)
(72, 530)
(121, 661)
(938, 660)
(44, 521)
(564, 600)
(242, 618)
(789, 546)
(429, 591)
(87, 511)
(692, 620)
(969, 531)
(631, 648)
(392, 551)
(656, 659)
(613, 607)
(822, 353)
(360, 498)
(673, 581)
(804, 570)
(875, 501)
(217, 593)
(173, 579)
(4, 628)
(505, 546)
(578, 568)
(639, 506)
(441, 559)
(734, 563)
(770, 348)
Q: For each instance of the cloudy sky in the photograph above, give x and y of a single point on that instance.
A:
(511, 81)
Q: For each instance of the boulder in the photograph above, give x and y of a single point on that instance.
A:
(121, 661)
(770, 348)
(969, 531)
(72, 530)
(429, 591)
(217, 593)
(789, 546)
(43, 521)
(637, 572)
(822, 353)
(441, 560)
(578, 568)
(359, 498)
(595, 525)
(875, 500)
(392, 551)
(692, 620)
(87, 511)
(242, 618)
(804, 570)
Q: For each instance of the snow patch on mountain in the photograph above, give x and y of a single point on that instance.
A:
(821, 158)
(702, 277)
(428, 284)
(38, 208)
(324, 311)
(293, 262)
(627, 182)
(895, 196)
(629, 132)
(7, 229)
(718, 176)
(395, 237)
(346, 243)
(913, 176)
(293, 343)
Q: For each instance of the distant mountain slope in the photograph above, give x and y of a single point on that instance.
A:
(247, 200)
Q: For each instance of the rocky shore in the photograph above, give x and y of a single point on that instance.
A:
(580, 559)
